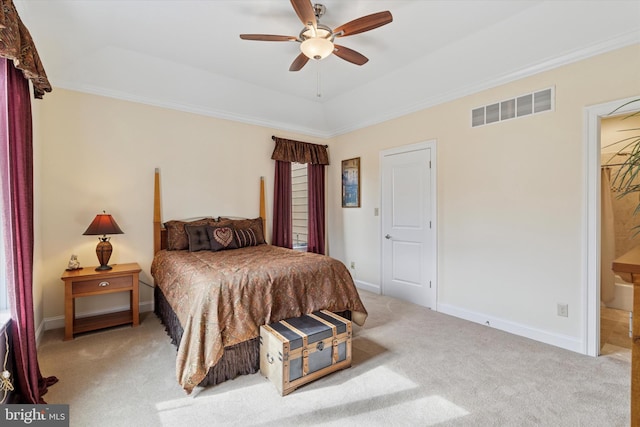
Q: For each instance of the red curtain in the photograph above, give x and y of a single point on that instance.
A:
(282, 226)
(17, 202)
(316, 156)
(315, 182)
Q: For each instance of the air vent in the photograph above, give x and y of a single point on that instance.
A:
(520, 106)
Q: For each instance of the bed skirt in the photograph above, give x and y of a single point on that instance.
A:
(239, 359)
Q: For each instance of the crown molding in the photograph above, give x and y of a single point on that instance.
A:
(619, 42)
(194, 109)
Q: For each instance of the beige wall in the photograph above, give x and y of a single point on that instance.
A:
(511, 199)
(95, 153)
(511, 196)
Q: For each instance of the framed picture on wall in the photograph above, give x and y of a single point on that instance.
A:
(351, 183)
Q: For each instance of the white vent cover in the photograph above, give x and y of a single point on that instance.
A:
(520, 106)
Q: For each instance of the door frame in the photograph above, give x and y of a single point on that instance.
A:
(591, 271)
(431, 144)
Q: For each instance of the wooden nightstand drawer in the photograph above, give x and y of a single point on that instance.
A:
(102, 285)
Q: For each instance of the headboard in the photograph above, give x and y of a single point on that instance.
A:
(160, 232)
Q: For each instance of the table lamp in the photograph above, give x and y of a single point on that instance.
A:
(103, 224)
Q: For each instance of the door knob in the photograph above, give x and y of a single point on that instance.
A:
(388, 236)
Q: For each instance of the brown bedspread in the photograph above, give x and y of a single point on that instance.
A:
(221, 298)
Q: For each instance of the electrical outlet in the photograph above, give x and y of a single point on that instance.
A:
(353, 264)
(563, 310)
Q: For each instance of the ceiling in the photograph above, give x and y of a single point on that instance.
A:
(187, 55)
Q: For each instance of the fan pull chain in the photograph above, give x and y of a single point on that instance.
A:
(318, 85)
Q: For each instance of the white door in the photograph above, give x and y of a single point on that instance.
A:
(408, 224)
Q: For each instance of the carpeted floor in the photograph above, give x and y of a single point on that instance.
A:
(411, 367)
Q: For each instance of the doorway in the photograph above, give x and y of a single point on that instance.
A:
(408, 218)
(617, 235)
(593, 116)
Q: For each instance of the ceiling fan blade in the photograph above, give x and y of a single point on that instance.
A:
(364, 23)
(305, 12)
(350, 55)
(267, 37)
(299, 62)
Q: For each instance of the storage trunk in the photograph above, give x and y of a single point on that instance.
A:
(296, 351)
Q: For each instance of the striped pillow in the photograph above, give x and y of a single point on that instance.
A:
(245, 237)
(254, 224)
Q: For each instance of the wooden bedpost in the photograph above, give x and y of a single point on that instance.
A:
(157, 217)
(263, 211)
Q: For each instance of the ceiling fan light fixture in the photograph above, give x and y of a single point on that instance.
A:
(316, 39)
(317, 47)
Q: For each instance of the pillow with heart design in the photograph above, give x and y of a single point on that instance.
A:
(245, 228)
(221, 238)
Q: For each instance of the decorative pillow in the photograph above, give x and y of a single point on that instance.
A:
(198, 237)
(246, 237)
(255, 225)
(177, 238)
(221, 238)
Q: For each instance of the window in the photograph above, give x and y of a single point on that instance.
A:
(309, 203)
(299, 206)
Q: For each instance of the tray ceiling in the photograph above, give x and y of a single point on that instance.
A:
(187, 55)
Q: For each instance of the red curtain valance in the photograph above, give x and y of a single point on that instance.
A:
(288, 150)
(17, 45)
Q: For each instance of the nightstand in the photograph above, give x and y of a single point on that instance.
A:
(87, 282)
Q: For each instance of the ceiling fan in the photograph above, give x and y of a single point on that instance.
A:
(316, 40)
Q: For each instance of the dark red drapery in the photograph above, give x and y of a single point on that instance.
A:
(282, 226)
(315, 156)
(315, 185)
(17, 202)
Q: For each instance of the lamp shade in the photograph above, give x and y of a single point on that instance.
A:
(103, 224)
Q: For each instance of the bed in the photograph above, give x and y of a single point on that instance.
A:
(213, 300)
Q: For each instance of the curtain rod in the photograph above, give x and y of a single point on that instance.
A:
(274, 138)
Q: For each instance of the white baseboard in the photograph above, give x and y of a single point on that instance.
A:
(57, 322)
(558, 340)
(39, 332)
(368, 286)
